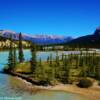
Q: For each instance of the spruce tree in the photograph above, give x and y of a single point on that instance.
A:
(62, 57)
(11, 55)
(33, 57)
(50, 60)
(42, 70)
(77, 61)
(66, 69)
(84, 71)
(21, 55)
(57, 59)
(40, 62)
(97, 69)
(15, 58)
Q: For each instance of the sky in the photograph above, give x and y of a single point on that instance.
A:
(58, 17)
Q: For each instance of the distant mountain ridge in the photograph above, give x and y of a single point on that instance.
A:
(88, 41)
(38, 39)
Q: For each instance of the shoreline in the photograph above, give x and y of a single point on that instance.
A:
(92, 93)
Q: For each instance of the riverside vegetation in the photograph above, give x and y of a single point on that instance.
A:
(63, 69)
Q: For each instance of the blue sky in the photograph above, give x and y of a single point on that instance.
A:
(59, 17)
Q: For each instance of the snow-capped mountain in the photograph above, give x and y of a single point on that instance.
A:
(39, 39)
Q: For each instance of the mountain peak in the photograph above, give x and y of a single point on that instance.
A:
(97, 31)
(98, 28)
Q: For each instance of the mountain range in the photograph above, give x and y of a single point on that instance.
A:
(38, 39)
(88, 41)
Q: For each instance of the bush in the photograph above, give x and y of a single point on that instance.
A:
(84, 83)
(44, 83)
(99, 83)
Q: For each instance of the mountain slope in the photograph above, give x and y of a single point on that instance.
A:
(88, 41)
(38, 39)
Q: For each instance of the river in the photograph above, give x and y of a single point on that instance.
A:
(13, 89)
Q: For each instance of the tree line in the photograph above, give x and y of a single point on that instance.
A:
(64, 68)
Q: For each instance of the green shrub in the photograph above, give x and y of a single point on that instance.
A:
(84, 83)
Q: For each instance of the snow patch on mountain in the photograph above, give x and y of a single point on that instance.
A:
(39, 39)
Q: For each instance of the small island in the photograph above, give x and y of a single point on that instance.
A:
(67, 72)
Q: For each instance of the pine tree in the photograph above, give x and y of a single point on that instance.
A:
(51, 71)
(65, 69)
(62, 57)
(15, 58)
(50, 60)
(84, 72)
(97, 68)
(65, 62)
(40, 62)
(57, 59)
(77, 61)
(81, 58)
(11, 55)
(21, 55)
(33, 57)
(42, 70)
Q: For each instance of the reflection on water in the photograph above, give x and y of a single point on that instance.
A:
(12, 87)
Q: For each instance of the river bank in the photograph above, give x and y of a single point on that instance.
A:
(92, 93)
